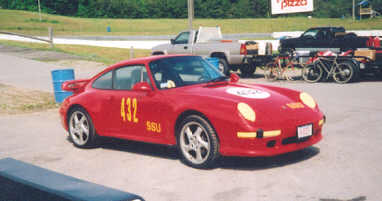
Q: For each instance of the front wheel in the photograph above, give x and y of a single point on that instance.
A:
(197, 142)
(343, 73)
(271, 71)
(81, 129)
(312, 73)
(291, 73)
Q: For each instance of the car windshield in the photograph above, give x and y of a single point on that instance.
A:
(181, 71)
(310, 32)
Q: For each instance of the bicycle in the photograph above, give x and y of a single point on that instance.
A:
(283, 67)
(340, 68)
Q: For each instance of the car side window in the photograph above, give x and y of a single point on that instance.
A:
(104, 81)
(126, 77)
(182, 38)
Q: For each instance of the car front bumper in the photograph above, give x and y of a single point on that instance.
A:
(272, 142)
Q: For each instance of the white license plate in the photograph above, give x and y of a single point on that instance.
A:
(304, 131)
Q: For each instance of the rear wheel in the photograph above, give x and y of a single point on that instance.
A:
(270, 71)
(344, 73)
(247, 70)
(197, 142)
(291, 73)
(312, 73)
(223, 66)
(81, 129)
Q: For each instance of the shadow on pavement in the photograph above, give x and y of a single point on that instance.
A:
(241, 163)
(148, 149)
(259, 163)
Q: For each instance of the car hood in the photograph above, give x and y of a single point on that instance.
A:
(259, 97)
(271, 104)
(290, 41)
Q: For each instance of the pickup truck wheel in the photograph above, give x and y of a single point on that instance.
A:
(223, 66)
(247, 70)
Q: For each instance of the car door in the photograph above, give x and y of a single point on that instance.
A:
(125, 104)
(124, 112)
(181, 44)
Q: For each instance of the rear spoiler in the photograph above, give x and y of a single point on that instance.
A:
(75, 86)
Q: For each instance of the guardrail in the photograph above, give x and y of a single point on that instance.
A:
(50, 40)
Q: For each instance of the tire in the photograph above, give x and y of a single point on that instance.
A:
(223, 66)
(344, 73)
(291, 73)
(312, 73)
(247, 70)
(197, 142)
(357, 70)
(81, 128)
(270, 72)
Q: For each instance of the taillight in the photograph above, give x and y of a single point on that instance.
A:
(377, 42)
(243, 49)
(369, 43)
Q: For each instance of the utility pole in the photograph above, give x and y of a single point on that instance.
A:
(190, 13)
(39, 9)
(353, 10)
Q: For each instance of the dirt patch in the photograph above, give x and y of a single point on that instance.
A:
(40, 55)
(83, 69)
(16, 100)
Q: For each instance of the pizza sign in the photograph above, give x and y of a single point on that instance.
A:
(291, 6)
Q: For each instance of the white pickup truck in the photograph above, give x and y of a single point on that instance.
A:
(208, 42)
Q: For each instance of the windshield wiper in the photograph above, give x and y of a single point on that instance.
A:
(219, 79)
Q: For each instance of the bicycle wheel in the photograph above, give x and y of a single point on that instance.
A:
(291, 72)
(343, 73)
(270, 71)
(312, 73)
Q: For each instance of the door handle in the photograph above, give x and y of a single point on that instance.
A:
(185, 47)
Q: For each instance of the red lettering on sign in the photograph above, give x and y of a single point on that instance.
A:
(292, 3)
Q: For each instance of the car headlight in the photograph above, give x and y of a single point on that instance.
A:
(246, 111)
(307, 100)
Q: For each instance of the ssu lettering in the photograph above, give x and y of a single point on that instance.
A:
(153, 127)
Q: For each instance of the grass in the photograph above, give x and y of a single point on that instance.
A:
(106, 55)
(14, 100)
(28, 23)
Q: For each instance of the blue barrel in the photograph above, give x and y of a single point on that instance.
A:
(214, 61)
(59, 77)
(108, 29)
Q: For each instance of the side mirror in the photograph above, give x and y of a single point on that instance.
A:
(234, 78)
(142, 86)
(172, 41)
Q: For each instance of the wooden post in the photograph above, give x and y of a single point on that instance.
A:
(39, 10)
(353, 10)
(131, 52)
(50, 30)
(190, 13)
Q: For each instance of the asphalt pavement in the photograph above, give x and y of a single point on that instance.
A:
(345, 165)
(32, 74)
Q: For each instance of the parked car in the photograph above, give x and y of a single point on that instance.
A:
(183, 101)
(324, 38)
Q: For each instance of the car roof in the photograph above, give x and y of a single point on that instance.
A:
(332, 28)
(142, 60)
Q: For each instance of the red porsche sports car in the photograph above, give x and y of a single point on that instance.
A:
(182, 100)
